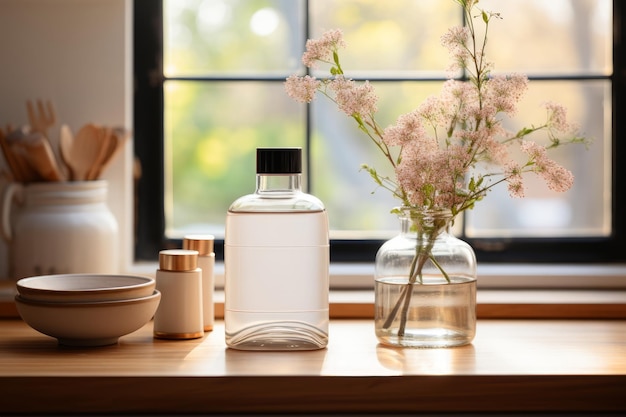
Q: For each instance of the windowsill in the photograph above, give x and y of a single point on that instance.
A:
(505, 291)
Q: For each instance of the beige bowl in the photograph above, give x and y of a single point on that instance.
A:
(72, 288)
(88, 324)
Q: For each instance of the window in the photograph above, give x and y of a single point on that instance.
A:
(209, 90)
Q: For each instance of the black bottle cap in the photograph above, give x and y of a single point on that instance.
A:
(279, 160)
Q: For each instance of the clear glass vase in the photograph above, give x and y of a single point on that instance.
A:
(425, 284)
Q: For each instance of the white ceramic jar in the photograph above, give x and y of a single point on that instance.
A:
(59, 228)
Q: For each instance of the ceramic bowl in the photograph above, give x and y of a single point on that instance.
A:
(88, 324)
(72, 288)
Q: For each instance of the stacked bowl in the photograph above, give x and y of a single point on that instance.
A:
(87, 309)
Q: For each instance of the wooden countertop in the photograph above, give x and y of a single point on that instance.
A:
(512, 366)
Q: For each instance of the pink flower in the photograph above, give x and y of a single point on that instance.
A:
(503, 92)
(458, 101)
(354, 99)
(433, 179)
(431, 111)
(412, 174)
(302, 89)
(407, 129)
(556, 176)
(447, 141)
(484, 141)
(513, 176)
(456, 37)
(535, 151)
(322, 49)
(459, 159)
(455, 40)
(557, 117)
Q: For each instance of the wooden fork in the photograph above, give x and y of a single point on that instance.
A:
(43, 119)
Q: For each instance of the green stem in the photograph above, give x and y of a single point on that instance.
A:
(412, 277)
(422, 254)
(409, 291)
(439, 267)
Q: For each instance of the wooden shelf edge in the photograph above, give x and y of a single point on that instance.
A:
(315, 394)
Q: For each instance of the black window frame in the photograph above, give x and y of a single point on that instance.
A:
(148, 145)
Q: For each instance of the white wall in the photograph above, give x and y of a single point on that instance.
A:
(78, 54)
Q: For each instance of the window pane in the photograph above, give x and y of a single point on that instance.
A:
(551, 37)
(212, 127)
(585, 209)
(212, 131)
(388, 36)
(338, 150)
(205, 37)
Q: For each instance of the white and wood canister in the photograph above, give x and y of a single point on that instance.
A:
(206, 262)
(179, 315)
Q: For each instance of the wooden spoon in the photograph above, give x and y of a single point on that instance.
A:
(66, 141)
(41, 158)
(117, 141)
(85, 151)
(104, 139)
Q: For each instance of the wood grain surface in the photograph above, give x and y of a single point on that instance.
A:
(512, 366)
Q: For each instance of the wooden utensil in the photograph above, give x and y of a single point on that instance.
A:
(85, 152)
(116, 142)
(104, 139)
(24, 169)
(41, 120)
(11, 159)
(66, 141)
(41, 158)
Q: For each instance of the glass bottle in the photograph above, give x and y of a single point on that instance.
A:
(276, 259)
(425, 284)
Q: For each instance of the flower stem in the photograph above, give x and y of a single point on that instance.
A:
(439, 267)
(409, 291)
(422, 254)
